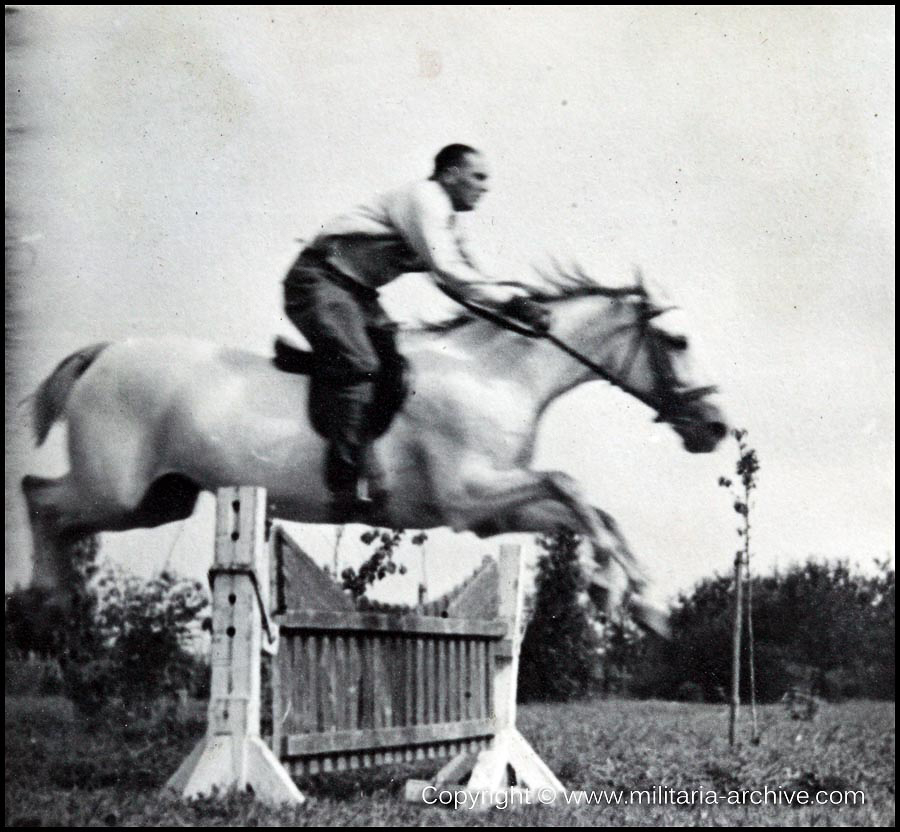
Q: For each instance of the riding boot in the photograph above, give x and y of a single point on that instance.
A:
(344, 462)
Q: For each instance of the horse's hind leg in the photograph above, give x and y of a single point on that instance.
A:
(49, 501)
(61, 514)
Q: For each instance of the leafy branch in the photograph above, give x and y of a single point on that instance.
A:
(381, 562)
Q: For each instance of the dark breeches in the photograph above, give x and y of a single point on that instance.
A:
(352, 338)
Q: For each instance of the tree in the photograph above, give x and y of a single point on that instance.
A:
(820, 626)
(559, 659)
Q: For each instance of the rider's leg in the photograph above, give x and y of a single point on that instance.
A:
(336, 321)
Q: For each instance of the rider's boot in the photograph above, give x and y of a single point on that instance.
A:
(344, 465)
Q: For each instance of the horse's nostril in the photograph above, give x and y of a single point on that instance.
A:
(718, 429)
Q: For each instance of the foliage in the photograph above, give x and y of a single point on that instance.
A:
(559, 659)
(381, 562)
(32, 626)
(629, 656)
(123, 641)
(145, 627)
(142, 630)
(819, 626)
(36, 625)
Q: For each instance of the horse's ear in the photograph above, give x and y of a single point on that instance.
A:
(651, 310)
(650, 295)
(639, 285)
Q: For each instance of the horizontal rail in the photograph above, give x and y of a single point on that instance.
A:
(337, 742)
(405, 625)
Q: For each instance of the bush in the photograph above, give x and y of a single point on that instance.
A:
(30, 677)
(689, 692)
(143, 629)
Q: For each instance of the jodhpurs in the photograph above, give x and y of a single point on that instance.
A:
(350, 334)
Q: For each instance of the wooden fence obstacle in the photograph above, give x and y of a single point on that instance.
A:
(232, 754)
(354, 688)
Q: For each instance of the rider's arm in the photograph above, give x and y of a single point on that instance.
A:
(425, 218)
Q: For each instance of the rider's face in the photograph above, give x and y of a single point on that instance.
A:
(467, 182)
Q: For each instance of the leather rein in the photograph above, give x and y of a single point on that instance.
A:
(665, 414)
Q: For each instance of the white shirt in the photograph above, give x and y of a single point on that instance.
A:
(408, 229)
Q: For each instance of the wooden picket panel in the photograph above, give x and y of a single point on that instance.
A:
(362, 688)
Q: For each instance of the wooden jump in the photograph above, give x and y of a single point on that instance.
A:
(354, 688)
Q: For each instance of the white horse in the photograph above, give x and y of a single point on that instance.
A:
(151, 423)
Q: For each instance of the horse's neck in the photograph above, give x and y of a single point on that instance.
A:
(542, 370)
(588, 326)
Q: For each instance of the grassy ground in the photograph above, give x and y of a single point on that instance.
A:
(60, 771)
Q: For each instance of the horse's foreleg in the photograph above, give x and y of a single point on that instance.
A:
(492, 502)
(542, 502)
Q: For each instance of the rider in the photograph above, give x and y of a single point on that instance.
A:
(331, 294)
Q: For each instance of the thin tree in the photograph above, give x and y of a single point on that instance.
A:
(747, 468)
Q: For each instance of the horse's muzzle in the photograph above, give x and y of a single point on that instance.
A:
(701, 428)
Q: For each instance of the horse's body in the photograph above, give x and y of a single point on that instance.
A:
(153, 422)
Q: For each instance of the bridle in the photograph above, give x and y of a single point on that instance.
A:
(671, 406)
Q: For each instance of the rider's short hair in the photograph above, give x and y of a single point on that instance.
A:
(450, 156)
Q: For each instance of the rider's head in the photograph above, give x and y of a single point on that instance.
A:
(462, 173)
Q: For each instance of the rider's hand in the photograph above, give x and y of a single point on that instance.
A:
(530, 312)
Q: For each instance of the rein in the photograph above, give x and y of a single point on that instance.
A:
(664, 414)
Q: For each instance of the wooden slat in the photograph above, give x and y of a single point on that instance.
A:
(409, 664)
(328, 700)
(336, 622)
(308, 700)
(420, 681)
(478, 680)
(430, 680)
(465, 681)
(382, 682)
(299, 745)
(453, 679)
(367, 699)
(354, 688)
(341, 683)
(442, 715)
(491, 662)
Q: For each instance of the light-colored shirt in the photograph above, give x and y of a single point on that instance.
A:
(408, 229)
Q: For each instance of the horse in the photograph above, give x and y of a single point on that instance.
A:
(153, 422)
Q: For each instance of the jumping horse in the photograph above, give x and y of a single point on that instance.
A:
(151, 423)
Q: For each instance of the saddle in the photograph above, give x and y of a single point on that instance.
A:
(391, 387)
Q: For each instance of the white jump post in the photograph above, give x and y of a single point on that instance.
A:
(232, 754)
(488, 772)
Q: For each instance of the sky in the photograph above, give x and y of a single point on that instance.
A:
(163, 161)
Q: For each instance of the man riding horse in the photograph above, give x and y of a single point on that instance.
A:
(331, 296)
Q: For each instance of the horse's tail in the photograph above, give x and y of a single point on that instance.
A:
(51, 397)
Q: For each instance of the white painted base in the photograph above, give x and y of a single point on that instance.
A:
(223, 762)
(488, 773)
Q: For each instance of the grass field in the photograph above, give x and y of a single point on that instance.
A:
(62, 772)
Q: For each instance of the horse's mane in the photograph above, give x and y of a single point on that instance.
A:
(555, 284)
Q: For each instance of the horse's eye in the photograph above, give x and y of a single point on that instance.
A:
(676, 342)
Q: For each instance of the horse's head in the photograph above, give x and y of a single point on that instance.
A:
(645, 349)
(672, 384)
